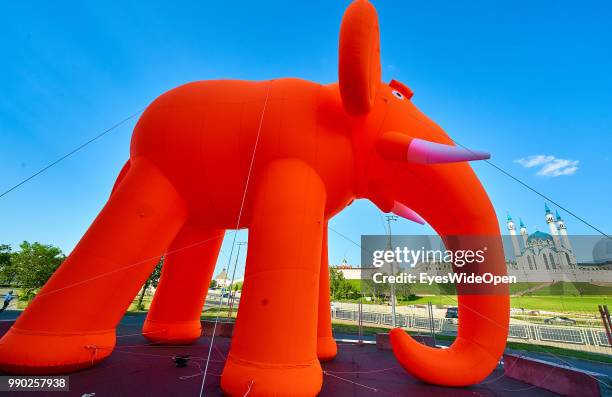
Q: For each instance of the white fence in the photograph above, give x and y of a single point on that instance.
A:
(567, 335)
(560, 334)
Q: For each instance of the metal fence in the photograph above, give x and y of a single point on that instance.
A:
(560, 334)
(568, 335)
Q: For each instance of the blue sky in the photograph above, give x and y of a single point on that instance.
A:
(518, 79)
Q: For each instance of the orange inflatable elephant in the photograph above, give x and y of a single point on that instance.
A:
(280, 158)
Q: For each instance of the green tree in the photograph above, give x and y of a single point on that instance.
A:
(339, 287)
(372, 289)
(33, 265)
(336, 278)
(403, 292)
(152, 281)
(6, 270)
(213, 284)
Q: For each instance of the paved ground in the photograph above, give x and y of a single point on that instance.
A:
(137, 368)
(587, 365)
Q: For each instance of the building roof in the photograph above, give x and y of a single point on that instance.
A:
(222, 275)
(538, 235)
(558, 216)
(546, 208)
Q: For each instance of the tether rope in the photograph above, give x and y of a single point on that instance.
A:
(244, 194)
(40, 295)
(375, 390)
(70, 153)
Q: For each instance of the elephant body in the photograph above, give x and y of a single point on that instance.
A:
(211, 128)
(278, 157)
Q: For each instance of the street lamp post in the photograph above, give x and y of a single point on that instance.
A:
(232, 292)
(391, 218)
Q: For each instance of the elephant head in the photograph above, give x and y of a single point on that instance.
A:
(406, 164)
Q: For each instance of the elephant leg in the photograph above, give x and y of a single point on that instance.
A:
(71, 322)
(174, 317)
(274, 344)
(326, 344)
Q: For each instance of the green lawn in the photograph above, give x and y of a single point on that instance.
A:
(573, 289)
(518, 287)
(562, 288)
(559, 297)
(212, 313)
(562, 303)
(580, 304)
(343, 328)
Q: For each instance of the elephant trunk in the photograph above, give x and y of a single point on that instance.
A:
(452, 200)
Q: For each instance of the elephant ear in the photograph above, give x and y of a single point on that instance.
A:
(359, 57)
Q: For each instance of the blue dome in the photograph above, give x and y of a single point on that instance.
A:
(538, 235)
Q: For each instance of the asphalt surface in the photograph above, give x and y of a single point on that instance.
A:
(138, 368)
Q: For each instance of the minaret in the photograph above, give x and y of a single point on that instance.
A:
(524, 233)
(512, 230)
(563, 231)
(550, 219)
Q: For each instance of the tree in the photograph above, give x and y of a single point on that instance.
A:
(403, 292)
(152, 281)
(33, 265)
(339, 287)
(6, 271)
(336, 278)
(374, 290)
(213, 284)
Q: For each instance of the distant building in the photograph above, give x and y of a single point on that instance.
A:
(352, 273)
(221, 279)
(349, 272)
(550, 256)
(542, 251)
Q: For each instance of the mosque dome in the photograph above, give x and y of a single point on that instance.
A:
(538, 235)
(602, 251)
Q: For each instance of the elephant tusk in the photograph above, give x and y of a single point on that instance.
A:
(427, 152)
(401, 147)
(400, 209)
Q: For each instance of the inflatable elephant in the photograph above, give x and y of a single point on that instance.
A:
(280, 158)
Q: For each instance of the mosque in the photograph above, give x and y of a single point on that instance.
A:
(550, 256)
(540, 250)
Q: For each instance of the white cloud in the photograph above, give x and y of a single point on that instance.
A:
(549, 165)
(533, 161)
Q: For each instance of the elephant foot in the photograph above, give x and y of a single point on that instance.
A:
(326, 348)
(263, 379)
(39, 353)
(176, 333)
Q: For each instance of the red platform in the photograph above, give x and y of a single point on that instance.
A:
(137, 368)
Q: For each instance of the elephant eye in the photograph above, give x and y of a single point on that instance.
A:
(398, 95)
